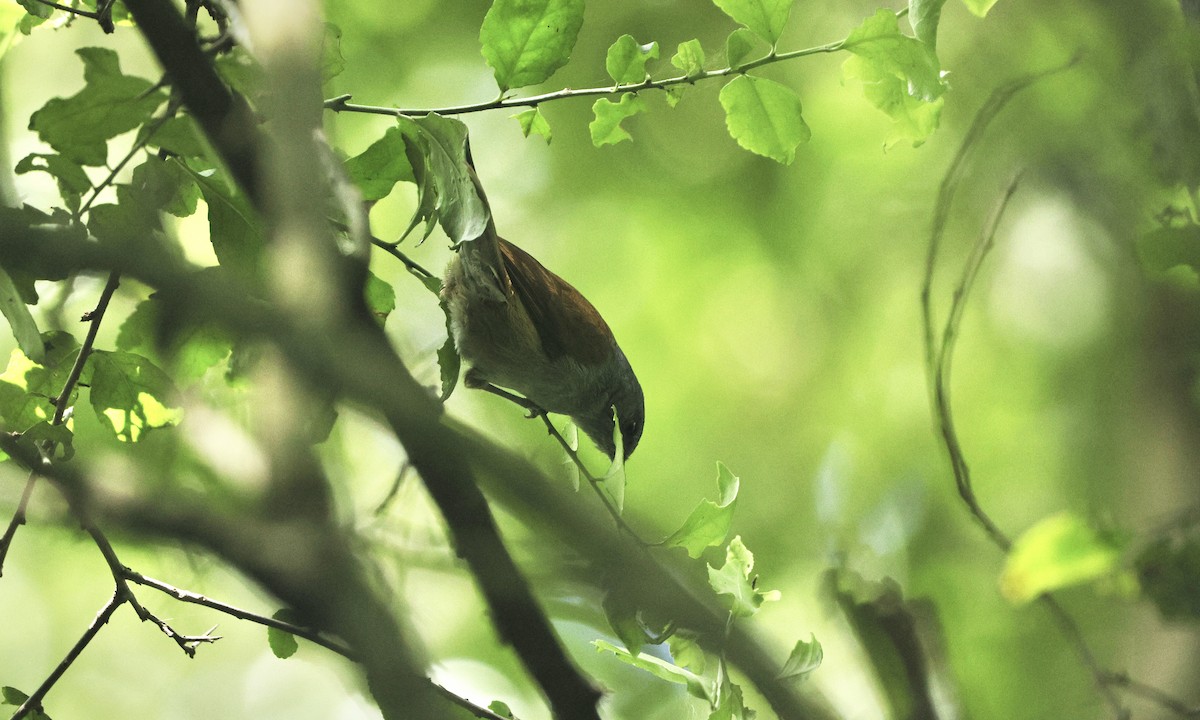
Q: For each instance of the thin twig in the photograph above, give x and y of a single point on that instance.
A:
(1153, 694)
(342, 103)
(409, 263)
(18, 519)
(34, 701)
(395, 489)
(68, 9)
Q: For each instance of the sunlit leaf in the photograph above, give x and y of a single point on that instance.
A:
(500, 709)
(26, 387)
(686, 651)
(923, 16)
(532, 121)
(979, 7)
(689, 57)
(525, 41)
(1057, 551)
(709, 522)
(606, 127)
(766, 18)
(764, 117)
(626, 60)
(735, 581)
(111, 103)
(437, 150)
(804, 659)
(131, 395)
(699, 687)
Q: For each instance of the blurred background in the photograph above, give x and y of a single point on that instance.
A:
(772, 315)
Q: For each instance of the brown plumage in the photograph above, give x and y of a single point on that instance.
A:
(520, 326)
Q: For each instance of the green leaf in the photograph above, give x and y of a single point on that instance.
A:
(689, 57)
(805, 658)
(626, 60)
(606, 127)
(283, 643)
(177, 136)
(26, 387)
(979, 7)
(710, 521)
(738, 46)
(332, 62)
(1168, 570)
(686, 651)
(80, 126)
(614, 480)
(437, 150)
(1168, 247)
(525, 41)
(532, 121)
(384, 163)
(381, 297)
(734, 580)
(164, 185)
(190, 348)
(37, 9)
(697, 686)
(923, 16)
(500, 709)
(131, 395)
(72, 181)
(764, 117)
(900, 75)
(20, 320)
(730, 705)
(234, 228)
(622, 617)
(766, 18)
(12, 696)
(243, 73)
(1057, 551)
(45, 434)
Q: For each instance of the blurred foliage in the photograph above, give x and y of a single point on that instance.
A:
(770, 311)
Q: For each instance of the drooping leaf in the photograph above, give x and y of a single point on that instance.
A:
(734, 580)
(384, 163)
(437, 150)
(20, 320)
(72, 181)
(606, 126)
(804, 659)
(766, 18)
(525, 41)
(923, 16)
(764, 117)
(111, 103)
(131, 395)
(1057, 551)
(381, 297)
(900, 75)
(234, 227)
(686, 651)
(689, 57)
(1168, 571)
(532, 121)
(332, 61)
(623, 619)
(738, 46)
(283, 643)
(730, 705)
(626, 60)
(697, 686)
(709, 522)
(979, 7)
(614, 480)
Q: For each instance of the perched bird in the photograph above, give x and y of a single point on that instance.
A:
(520, 326)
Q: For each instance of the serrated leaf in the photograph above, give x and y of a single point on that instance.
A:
(20, 320)
(900, 75)
(526, 41)
(923, 16)
(1057, 551)
(131, 395)
(437, 150)
(803, 660)
(72, 181)
(738, 46)
(689, 57)
(766, 18)
(283, 643)
(734, 580)
(764, 117)
(697, 686)
(384, 163)
(626, 60)
(110, 103)
(532, 121)
(979, 7)
(606, 127)
(709, 522)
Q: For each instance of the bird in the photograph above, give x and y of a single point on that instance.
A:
(519, 327)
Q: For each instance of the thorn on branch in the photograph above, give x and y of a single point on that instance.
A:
(338, 104)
